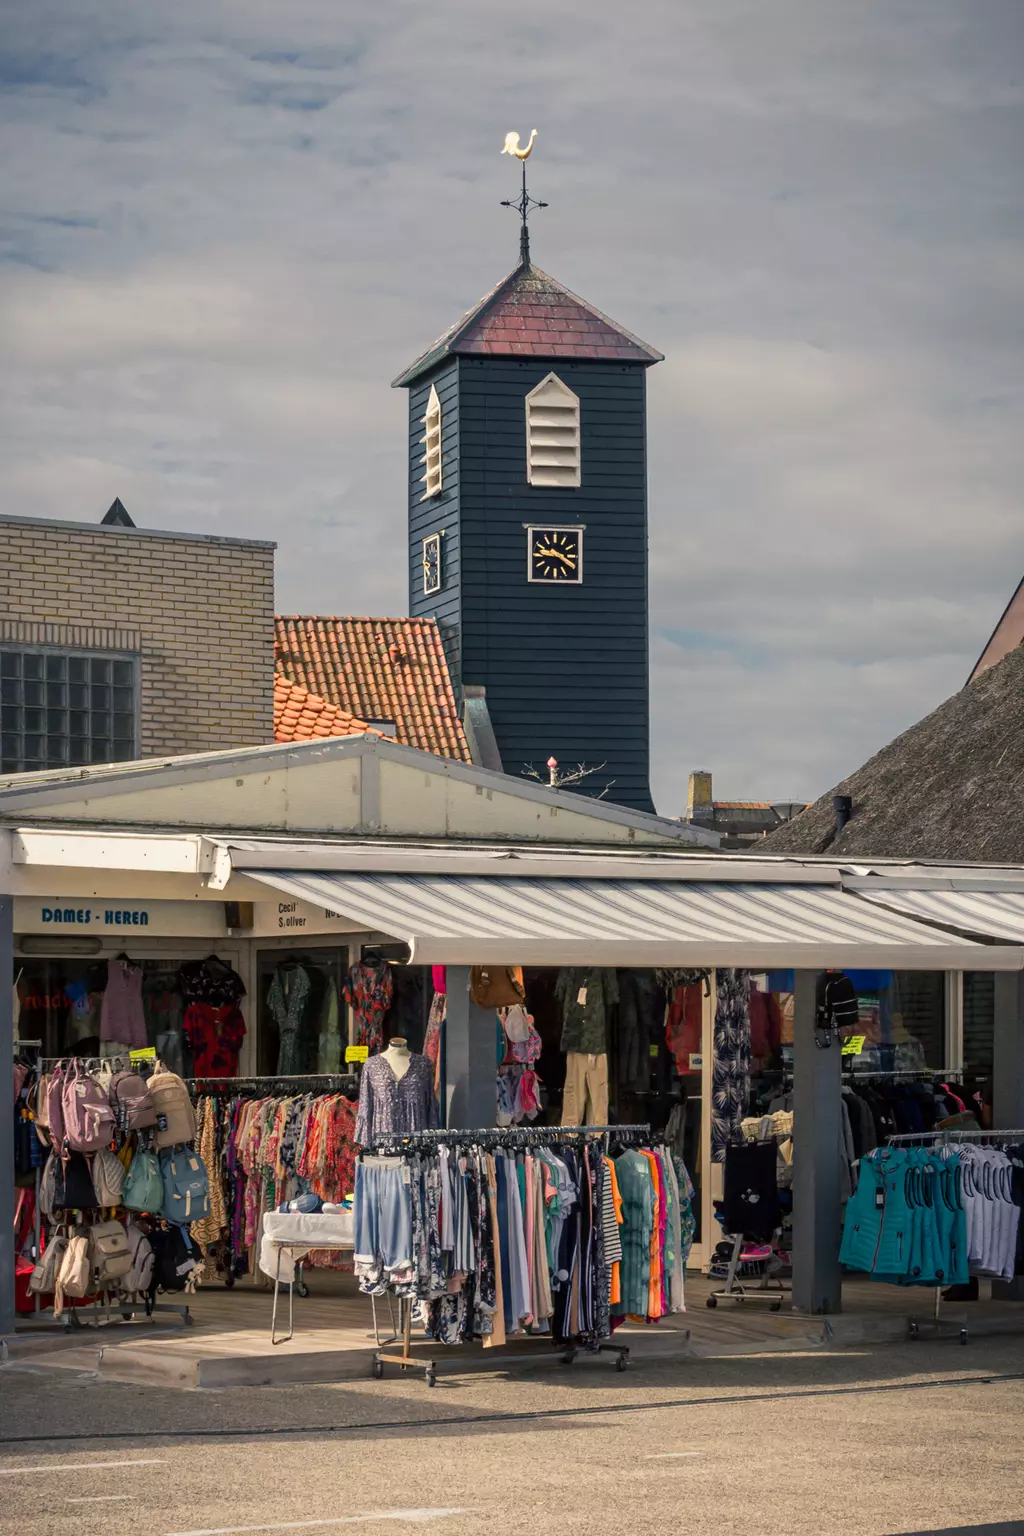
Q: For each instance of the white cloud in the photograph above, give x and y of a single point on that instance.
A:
(225, 226)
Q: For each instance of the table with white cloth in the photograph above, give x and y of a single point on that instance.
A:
(288, 1236)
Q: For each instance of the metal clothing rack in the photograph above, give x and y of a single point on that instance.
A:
(953, 1136)
(504, 1136)
(311, 1082)
(72, 1318)
(509, 1136)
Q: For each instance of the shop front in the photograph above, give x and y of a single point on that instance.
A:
(293, 954)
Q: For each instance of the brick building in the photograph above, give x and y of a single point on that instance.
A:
(119, 642)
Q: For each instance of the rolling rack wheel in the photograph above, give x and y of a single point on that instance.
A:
(302, 1289)
(963, 1335)
(776, 1306)
(431, 1379)
(378, 1370)
(712, 1302)
(913, 1330)
(229, 1279)
(620, 1364)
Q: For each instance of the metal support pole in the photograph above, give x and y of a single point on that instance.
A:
(1008, 1050)
(470, 1060)
(6, 1116)
(817, 1088)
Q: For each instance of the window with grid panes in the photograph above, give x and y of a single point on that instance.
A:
(63, 709)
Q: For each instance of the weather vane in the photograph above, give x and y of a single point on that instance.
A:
(524, 202)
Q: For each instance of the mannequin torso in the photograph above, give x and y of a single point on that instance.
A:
(398, 1056)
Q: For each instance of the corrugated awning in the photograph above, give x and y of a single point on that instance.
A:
(987, 914)
(500, 920)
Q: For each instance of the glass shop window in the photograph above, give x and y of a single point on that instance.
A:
(60, 1002)
(979, 1023)
(301, 1011)
(902, 1018)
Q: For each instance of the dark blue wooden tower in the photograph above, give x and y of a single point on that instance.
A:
(528, 526)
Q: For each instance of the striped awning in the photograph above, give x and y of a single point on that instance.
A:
(498, 920)
(983, 914)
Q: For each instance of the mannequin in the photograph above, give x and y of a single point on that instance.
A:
(398, 1056)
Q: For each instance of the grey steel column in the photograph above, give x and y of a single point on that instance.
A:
(469, 1065)
(817, 1222)
(1008, 1051)
(6, 1116)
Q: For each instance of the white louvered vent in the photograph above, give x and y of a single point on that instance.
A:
(552, 434)
(432, 444)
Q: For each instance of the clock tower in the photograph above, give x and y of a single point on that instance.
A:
(528, 526)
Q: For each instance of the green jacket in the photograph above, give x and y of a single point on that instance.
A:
(585, 1025)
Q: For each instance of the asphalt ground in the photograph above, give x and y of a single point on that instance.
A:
(922, 1437)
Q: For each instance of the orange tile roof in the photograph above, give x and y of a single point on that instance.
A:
(303, 716)
(378, 670)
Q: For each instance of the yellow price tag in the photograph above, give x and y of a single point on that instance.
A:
(147, 1053)
(356, 1052)
(854, 1045)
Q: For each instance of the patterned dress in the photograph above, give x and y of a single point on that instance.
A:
(730, 1081)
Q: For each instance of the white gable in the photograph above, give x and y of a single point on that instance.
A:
(359, 784)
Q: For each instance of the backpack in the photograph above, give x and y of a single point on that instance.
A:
(111, 1254)
(73, 1189)
(88, 1117)
(43, 1279)
(496, 986)
(131, 1103)
(53, 1113)
(186, 1187)
(75, 1273)
(139, 1278)
(108, 1178)
(48, 1187)
(144, 1186)
(175, 1117)
(175, 1256)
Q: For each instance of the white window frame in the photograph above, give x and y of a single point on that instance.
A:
(431, 440)
(553, 452)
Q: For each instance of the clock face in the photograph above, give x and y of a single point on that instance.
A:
(432, 563)
(555, 554)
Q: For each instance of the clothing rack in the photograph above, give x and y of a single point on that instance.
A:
(934, 1073)
(950, 1137)
(506, 1136)
(314, 1083)
(502, 1136)
(954, 1134)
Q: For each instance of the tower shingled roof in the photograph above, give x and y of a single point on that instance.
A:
(529, 314)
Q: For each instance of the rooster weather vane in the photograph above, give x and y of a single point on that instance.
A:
(524, 202)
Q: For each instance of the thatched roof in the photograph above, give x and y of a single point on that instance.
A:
(951, 787)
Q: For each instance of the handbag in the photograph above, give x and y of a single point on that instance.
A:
(496, 986)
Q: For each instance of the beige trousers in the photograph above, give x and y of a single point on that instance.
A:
(585, 1096)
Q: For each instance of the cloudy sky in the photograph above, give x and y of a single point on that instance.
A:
(226, 225)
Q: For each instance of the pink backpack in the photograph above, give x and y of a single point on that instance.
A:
(88, 1117)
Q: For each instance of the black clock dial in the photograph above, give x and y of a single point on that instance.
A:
(556, 554)
(432, 564)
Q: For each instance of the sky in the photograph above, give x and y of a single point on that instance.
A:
(225, 226)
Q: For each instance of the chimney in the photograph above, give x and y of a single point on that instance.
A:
(699, 807)
(843, 807)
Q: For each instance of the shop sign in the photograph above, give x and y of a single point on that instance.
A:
(696, 1061)
(283, 916)
(854, 1045)
(146, 1053)
(170, 919)
(357, 1052)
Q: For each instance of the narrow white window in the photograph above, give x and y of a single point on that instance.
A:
(432, 443)
(552, 434)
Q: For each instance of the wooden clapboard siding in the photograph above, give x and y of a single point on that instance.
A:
(565, 667)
